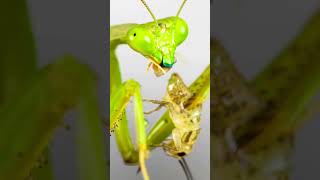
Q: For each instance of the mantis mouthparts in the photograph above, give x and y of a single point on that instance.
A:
(158, 70)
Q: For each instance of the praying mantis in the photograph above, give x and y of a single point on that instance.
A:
(157, 41)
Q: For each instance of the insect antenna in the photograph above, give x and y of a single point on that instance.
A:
(184, 1)
(186, 169)
(149, 10)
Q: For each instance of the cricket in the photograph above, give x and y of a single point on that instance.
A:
(157, 41)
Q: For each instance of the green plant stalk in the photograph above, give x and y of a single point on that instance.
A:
(289, 83)
(33, 102)
(17, 50)
(233, 101)
(290, 66)
(91, 149)
(18, 62)
(285, 89)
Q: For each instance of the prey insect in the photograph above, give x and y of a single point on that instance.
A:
(157, 41)
(186, 120)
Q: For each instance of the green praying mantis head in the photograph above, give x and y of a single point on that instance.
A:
(158, 40)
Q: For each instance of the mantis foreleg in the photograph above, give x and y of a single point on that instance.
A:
(120, 97)
(119, 101)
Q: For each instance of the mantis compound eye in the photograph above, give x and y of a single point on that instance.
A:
(181, 31)
(141, 40)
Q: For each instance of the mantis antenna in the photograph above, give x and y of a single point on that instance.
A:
(149, 10)
(181, 7)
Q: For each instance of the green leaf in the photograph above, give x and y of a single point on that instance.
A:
(288, 85)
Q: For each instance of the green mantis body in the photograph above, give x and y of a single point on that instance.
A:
(156, 41)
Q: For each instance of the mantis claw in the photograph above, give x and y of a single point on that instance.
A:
(143, 155)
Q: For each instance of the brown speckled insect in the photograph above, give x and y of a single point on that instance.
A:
(186, 120)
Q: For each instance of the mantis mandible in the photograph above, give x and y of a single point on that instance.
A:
(157, 41)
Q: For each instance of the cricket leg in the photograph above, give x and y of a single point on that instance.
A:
(161, 105)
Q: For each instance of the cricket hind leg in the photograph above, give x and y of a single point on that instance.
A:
(177, 136)
(153, 110)
(119, 101)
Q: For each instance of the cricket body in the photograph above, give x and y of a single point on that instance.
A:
(186, 120)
